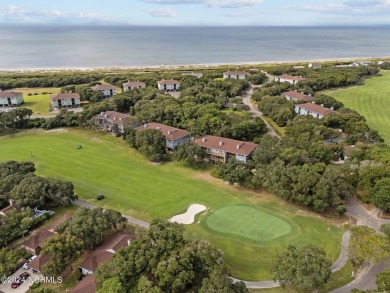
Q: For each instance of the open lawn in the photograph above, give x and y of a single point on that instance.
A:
(372, 100)
(38, 100)
(144, 190)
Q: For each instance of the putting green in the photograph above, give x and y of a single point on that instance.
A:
(248, 222)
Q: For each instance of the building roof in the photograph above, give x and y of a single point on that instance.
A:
(10, 94)
(38, 262)
(168, 81)
(112, 116)
(226, 144)
(8, 209)
(291, 77)
(170, 133)
(317, 109)
(104, 252)
(58, 221)
(134, 83)
(298, 96)
(65, 96)
(103, 87)
(236, 73)
(86, 285)
(96, 259)
(116, 241)
(37, 240)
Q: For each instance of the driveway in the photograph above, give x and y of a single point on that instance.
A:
(6, 287)
(247, 100)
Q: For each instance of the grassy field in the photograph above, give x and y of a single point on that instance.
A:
(372, 100)
(39, 100)
(139, 188)
(248, 223)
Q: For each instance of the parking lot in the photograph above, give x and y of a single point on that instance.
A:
(6, 287)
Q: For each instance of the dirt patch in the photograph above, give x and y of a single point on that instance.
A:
(95, 139)
(58, 130)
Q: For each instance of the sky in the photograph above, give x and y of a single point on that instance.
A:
(196, 12)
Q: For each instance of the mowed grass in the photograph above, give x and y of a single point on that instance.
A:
(372, 100)
(39, 100)
(144, 190)
(248, 223)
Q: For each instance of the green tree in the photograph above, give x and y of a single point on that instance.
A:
(151, 144)
(30, 192)
(112, 285)
(14, 167)
(161, 260)
(91, 224)
(383, 281)
(61, 193)
(234, 171)
(63, 249)
(219, 282)
(16, 118)
(385, 229)
(191, 153)
(305, 268)
(9, 260)
(367, 246)
(381, 194)
(257, 78)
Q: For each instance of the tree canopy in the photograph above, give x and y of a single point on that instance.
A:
(161, 260)
(305, 268)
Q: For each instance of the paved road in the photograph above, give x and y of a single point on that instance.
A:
(366, 278)
(343, 257)
(253, 110)
(130, 219)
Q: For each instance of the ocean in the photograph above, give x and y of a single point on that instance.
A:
(57, 47)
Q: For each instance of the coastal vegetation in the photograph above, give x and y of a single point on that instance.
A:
(162, 260)
(138, 188)
(313, 165)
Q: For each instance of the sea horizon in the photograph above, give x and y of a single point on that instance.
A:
(57, 47)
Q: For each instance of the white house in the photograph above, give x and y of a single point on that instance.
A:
(314, 65)
(168, 85)
(173, 136)
(221, 149)
(133, 85)
(297, 96)
(235, 74)
(314, 110)
(289, 78)
(65, 100)
(11, 99)
(110, 119)
(108, 90)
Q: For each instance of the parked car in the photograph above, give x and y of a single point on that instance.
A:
(24, 276)
(25, 265)
(16, 284)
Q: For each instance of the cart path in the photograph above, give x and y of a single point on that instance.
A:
(339, 263)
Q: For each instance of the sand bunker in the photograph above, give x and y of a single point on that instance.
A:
(189, 216)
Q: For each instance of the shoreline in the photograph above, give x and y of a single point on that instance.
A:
(189, 66)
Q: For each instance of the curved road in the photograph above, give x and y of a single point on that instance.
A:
(366, 278)
(246, 98)
(340, 262)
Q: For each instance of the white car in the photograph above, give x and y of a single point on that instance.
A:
(25, 266)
